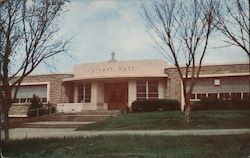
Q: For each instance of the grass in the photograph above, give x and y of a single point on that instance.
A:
(210, 119)
(132, 147)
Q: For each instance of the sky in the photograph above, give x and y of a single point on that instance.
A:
(96, 28)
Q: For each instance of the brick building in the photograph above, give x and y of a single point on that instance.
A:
(116, 84)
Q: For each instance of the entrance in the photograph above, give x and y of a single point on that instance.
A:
(116, 95)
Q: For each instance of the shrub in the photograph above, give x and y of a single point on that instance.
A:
(219, 104)
(155, 105)
(35, 104)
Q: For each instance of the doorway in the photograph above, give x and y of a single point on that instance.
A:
(116, 95)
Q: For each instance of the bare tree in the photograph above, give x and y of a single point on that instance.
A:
(233, 21)
(28, 38)
(182, 29)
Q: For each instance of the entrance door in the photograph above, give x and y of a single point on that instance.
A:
(116, 95)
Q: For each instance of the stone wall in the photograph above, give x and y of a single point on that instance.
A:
(57, 91)
(173, 90)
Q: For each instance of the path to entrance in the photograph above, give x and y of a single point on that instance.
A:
(20, 133)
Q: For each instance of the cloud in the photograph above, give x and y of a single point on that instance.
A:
(97, 6)
(99, 27)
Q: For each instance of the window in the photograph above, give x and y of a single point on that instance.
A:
(23, 100)
(88, 92)
(224, 96)
(141, 90)
(146, 90)
(246, 95)
(212, 95)
(201, 95)
(84, 93)
(236, 95)
(152, 90)
(44, 100)
(26, 92)
(193, 96)
(16, 100)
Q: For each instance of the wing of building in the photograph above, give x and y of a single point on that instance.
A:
(115, 84)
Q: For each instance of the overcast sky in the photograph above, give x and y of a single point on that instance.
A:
(98, 27)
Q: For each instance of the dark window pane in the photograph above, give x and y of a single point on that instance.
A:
(87, 100)
(221, 96)
(15, 100)
(22, 100)
(44, 99)
(141, 89)
(80, 93)
(224, 96)
(87, 92)
(201, 95)
(153, 96)
(236, 95)
(141, 83)
(193, 96)
(153, 88)
(212, 95)
(141, 95)
(246, 95)
(227, 96)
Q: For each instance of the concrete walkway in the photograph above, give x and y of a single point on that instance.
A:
(59, 123)
(21, 133)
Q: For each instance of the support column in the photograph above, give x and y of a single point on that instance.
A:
(131, 92)
(75, 93)
(161, 89)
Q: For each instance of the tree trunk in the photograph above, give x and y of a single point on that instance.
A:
(6, 106)
(6, 125)
(187, 108)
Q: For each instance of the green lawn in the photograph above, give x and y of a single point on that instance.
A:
(132, 147)
(211, 119)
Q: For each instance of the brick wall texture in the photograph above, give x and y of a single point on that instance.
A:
(57, 91)
(173, 90)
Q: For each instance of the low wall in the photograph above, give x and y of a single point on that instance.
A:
(75, 107)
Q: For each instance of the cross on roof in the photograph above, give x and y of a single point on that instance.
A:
(112, 57)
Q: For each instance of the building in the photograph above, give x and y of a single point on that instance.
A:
(113, 84)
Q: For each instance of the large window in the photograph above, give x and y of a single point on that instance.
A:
(224, 96)
(146, 90)
(84, 93)
(26, 92)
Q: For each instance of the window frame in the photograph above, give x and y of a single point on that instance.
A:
(150, 89)
(83, 96)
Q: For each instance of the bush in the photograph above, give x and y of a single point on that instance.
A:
(35, 104)
(155, 105)
(219, 104)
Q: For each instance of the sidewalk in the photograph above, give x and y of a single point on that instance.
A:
(21, 133)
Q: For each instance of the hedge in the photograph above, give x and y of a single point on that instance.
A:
(155, 105)
(219, 104)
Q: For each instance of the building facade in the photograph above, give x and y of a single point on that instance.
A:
(115, 84)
